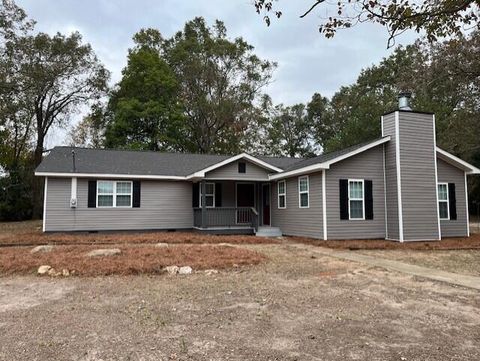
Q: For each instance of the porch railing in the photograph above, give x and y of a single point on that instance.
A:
(227, 217)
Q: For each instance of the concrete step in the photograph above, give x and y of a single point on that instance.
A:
(268, 232)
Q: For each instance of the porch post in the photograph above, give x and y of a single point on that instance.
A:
(204, 213)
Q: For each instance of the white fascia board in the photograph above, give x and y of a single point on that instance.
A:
(326, 165)
(300, 171)
(357, 151)
(455, 161)
(108, 176)
(252, 159)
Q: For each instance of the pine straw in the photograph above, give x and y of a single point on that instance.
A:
(472, 242)
(37, 237)
(132, 260)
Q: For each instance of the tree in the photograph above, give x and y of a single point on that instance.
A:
(437, 18)
(220, 82)
(144, 110)
(43, 80)
(290, 132)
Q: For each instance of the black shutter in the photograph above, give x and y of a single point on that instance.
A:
(343, 198)
(368, 199)
(195, 195)
(452, 200)
(136, 194)
(92, 194)
(218, 194)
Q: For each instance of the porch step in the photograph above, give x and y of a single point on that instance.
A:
(269, 232)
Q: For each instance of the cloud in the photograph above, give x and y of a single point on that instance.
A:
(307, 62)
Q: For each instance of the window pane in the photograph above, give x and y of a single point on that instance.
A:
(281, 201)
(209, 201)
(443, 209)
(442, 192)
(105, 187)
(303, 184)
(281, 187)
(356, 209)
(304, 200)
(124, 187)
(123, 201)
(209, 188)
(356, 189)
(105, 201)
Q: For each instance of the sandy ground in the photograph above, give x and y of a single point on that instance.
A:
(459, 261)
(297, 306)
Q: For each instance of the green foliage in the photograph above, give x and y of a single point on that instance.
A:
(144, 109)
(220, 81)
(290, 132)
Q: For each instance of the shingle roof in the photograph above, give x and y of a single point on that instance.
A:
(328, 156)
(107, 161)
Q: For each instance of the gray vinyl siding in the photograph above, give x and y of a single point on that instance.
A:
(418, 180)
(164, 205)
(450, 174)
(296, 221)
(391, 177)
(230, 171)
(369, 166)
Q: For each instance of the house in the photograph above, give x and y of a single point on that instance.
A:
(400, 187)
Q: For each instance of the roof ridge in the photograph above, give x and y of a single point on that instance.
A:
(167, 152)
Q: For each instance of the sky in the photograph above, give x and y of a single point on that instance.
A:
(307, 62)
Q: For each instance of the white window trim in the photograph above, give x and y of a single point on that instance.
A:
(304, 192)
(356, 199)
(444, 201)
(209, 194)
(282, 194)
(114, 194)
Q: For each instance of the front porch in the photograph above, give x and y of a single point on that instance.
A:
(227, 206)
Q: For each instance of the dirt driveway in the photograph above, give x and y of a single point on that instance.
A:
(297, 306)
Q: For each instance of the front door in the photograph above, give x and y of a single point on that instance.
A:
(245, 200)
(266, 204)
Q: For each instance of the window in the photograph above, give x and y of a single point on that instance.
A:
(282, 194)
(303, 189)
(209, 195)
(242, 167)
(114, 194)
(443, 206)
(356, 201)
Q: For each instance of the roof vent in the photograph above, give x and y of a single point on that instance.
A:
(404, 100)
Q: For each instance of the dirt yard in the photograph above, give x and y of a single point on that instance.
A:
(295, 306)
(459, 261)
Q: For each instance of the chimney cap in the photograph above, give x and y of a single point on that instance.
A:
(404, 100)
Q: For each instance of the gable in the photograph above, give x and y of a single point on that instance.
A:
(231, 171)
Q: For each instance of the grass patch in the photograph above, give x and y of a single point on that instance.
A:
(472, 242)
(132, 260)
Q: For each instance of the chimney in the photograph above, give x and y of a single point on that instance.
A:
(404, 100)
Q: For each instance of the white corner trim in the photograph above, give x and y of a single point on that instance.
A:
(74, 189)
(252, 159)
(466, 205)
(450, 158)
(45, 191)
(324, 204)
(326, 165)
(399, 178)
(436, 179)
(381, 122)
(385, 191)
